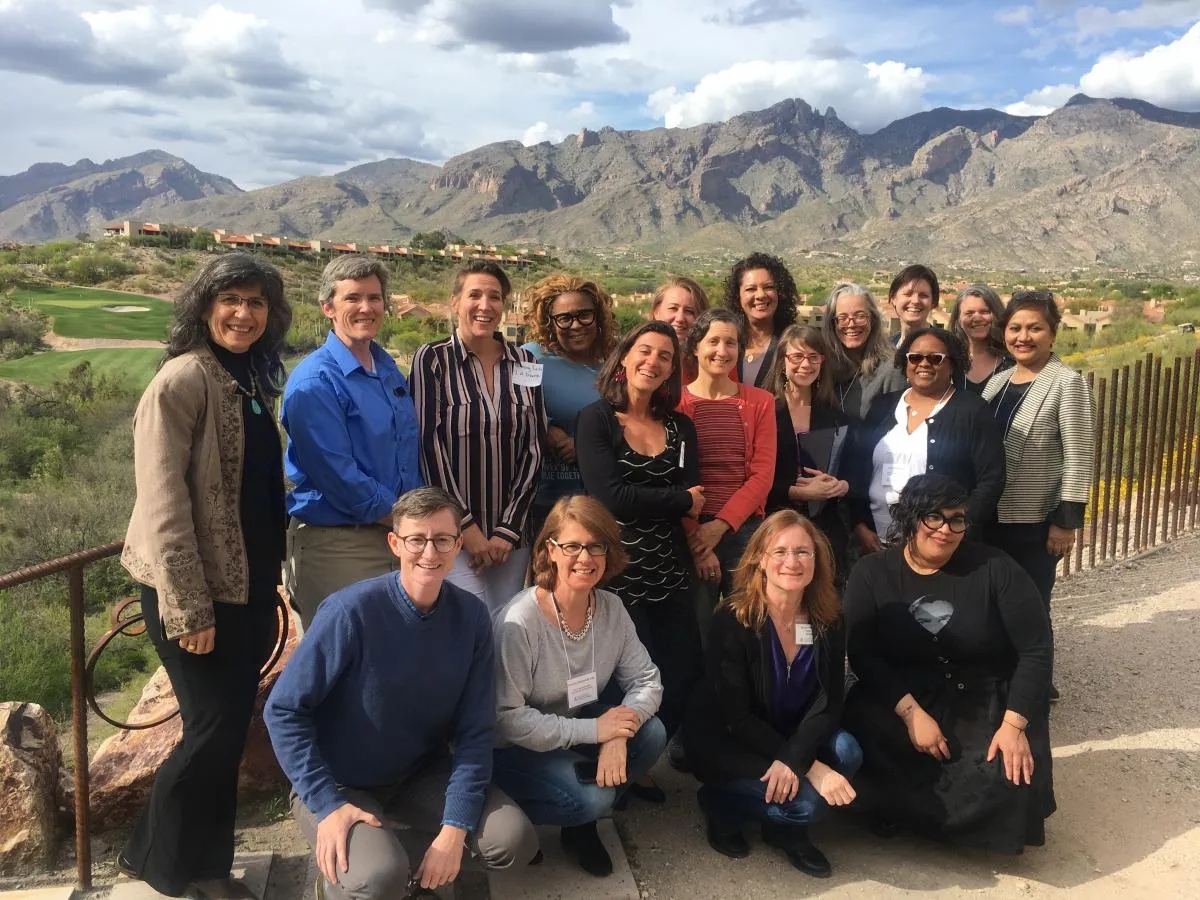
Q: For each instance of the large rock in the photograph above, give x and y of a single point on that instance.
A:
(124, 766)
(29, 762)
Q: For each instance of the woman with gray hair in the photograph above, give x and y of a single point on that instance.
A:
(860, 354)
(975, 320)
(206, 542)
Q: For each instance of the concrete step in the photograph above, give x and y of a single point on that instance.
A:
(49, 893)
(254, 869)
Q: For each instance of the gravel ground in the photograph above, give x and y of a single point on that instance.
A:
(1127, 777)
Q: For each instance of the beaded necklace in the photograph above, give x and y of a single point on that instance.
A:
(576, 636)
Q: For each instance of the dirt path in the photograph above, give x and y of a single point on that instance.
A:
(58, 342)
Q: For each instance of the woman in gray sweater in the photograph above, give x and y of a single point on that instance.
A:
(563, 754)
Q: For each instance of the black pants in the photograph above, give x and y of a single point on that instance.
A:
(185, 833)
(668, 630)
(1026, 544)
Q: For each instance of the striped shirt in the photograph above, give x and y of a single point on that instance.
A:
(722, 450)
(484, 450)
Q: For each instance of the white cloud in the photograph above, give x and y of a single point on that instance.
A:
(1098, 20)
(1043, 101)
(866, 96)
(540, 131)
(584, 111)
(1018, 15)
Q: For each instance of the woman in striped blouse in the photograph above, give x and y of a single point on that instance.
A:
(735, 429)
(483, 426)
(1044, 410)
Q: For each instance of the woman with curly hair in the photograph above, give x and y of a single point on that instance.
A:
(571, 332)
(206, 542)
(762, 732)
(761, 292)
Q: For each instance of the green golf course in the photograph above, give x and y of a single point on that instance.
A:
(79, 312)
(135, 366)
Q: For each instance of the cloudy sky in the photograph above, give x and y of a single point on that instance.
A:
(265, 90)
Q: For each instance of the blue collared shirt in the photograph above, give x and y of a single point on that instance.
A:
(353, 445)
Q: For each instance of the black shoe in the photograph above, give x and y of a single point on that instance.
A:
(725, 838)
(677, 757)
(801, 853)
(651, 792)
(1054, 695)
(125, 867)
(583, 842)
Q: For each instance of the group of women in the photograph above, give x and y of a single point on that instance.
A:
(725, 506)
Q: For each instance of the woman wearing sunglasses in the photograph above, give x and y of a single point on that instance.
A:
(571, 332)
(931, 427)
(564, 755)
(951, 645)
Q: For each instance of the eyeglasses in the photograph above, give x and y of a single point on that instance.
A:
(583, 317)
(813, 359)
(573, 548)
(935, 520)
(235, 301)
(779, 554)
(858, 318)
(442, 543)
(934, 359)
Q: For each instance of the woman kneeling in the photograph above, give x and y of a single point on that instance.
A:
(564, 755)
(763, 731)
(951, 645)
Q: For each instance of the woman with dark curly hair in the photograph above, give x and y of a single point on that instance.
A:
(951, 645)
(571, 332)
(975, 319)
(206, 541)
(931, 427)
(760, 291)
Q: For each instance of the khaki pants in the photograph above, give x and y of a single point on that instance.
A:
(380, 865)
(322, 559)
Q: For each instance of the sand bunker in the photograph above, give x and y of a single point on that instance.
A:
(125, 308)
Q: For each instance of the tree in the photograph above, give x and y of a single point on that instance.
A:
(428, 240)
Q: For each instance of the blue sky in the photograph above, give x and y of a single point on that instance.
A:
(268, 90)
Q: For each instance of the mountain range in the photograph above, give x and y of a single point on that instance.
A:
(1097, 183)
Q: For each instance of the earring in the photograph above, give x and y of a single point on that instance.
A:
(619, 376)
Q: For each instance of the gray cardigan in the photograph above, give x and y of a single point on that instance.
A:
(1050, 450)
(532, 672)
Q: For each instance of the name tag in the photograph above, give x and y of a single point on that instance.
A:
(582, 690)
(804, 634)
(527, 374)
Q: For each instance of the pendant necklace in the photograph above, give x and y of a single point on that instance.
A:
(579, 635)
(255, 406)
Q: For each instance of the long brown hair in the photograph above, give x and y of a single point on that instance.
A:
(748, 601)
(812, 338)
(592, 515)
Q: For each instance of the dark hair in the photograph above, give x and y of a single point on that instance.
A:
(481, 267)
(955, 349)
(592, 515)
(189, 329)
(822, 389)
(1037, 301)
(916, 272)
(612, 389)
(922, 495)
(699, 329)
(351, 268)
(785, 288)
(992, 300)
(423, 502)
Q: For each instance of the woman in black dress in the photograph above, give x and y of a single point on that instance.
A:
(638, 457)
(951, 645)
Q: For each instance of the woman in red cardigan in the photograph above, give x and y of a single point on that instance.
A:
(735, 424)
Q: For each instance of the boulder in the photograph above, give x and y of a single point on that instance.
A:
(29, 764)
(123, 769)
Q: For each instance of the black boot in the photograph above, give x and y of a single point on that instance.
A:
(583, 842)
(724, 837)
(793, 841)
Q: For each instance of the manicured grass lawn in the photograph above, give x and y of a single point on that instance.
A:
(79, 312)
(135, 366)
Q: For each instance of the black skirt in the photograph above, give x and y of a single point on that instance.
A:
(964, 800)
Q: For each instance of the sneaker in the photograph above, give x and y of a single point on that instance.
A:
(583, 842)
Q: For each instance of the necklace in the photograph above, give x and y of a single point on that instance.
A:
(576, 636)
(945, 393)
(255, 406)
(1016, 407)
(843, 394)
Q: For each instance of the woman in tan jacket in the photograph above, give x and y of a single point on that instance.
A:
(206, 540)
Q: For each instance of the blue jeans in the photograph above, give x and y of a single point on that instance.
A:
(545, 786)
(745, 799)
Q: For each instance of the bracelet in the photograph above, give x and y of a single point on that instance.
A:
(1006, 721)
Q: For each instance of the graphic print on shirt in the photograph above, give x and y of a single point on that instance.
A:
(932, 615)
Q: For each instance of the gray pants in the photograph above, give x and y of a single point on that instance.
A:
(323, 559)
(380, 866)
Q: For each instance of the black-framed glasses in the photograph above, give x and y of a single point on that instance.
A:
(582, 317)
(416, 543)
(934, 359)
(935, 520)
(574, 548)
(858, 318)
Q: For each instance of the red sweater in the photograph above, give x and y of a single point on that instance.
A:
(757, 409)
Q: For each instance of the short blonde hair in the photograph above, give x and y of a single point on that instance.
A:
(592, 515)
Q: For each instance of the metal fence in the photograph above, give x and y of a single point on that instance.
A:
(1146, 492)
